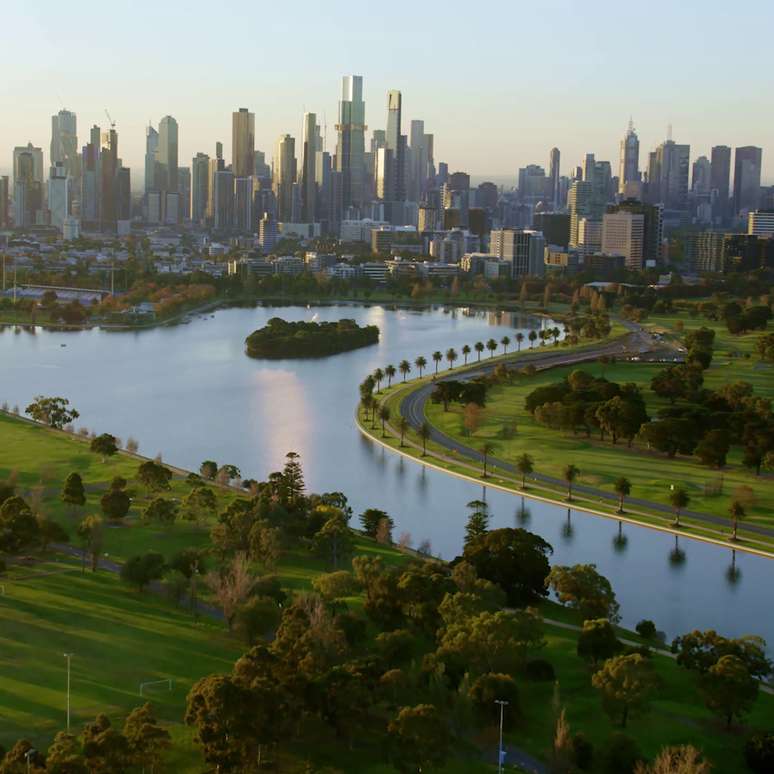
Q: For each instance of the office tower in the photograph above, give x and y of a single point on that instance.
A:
(58, 194)
(555, 227)
(223, 200)
(216, 165)
(262, 169)
(284, 175)
(523, 249)
(308, 162)
(350, 146)
(123, 194)
(668, 175)
(184, 189)
(579, 204)
(167, 155)
(443, 173)
(32, 160)
(4, 199)
(761, 223)
(420, 160)
(589, 236)
(27, 189)
(395, 142)
(243, 143)
(109, 166)
(720, 177)
(243, 205)
(629, 164)
(532, 184)
(91, 180)
(553, 177)
(623, 233)
(701, 176)
(200, 187)
(64, 142)
(151, 159)
(487, 196)
(747, 179)
(653, 227)
(428, 218)
(384, 170)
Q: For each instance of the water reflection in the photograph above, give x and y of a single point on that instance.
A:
(677, 557)
(568, 530)
(620, 541)
(523, 514)
(733, 573)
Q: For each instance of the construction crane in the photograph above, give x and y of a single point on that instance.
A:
(112, 122)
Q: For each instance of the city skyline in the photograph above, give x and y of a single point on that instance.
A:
(525, 109)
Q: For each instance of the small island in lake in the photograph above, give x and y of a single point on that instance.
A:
(282, 339)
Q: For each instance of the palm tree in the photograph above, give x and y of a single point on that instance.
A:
(390, 371)
(525, 465)
(424, 434)
(405, 368)
(622, 488)
(491, 345)
(403, 426)
(479, 347)
(437, 358)
(679, 499)
(366, 403)
(378, 377)
(421, 364)
(374, 411)
(555, 332)
(532, 336)
(519, 339)
(571, 472)
(465, 352)
(486, 449)
(451, 356)
(737, 514)
(505, 341)
(384, 415)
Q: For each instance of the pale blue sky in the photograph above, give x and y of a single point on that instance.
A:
(498, 83)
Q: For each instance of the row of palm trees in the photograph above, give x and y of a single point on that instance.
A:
(404, 367)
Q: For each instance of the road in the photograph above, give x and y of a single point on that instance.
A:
(637, 344)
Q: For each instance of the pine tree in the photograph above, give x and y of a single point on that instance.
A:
(73, 492)
(294, 477)
(478, 521)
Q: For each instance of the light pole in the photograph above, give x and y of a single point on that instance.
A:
(27, 755)
(502, 704)
(68, 656)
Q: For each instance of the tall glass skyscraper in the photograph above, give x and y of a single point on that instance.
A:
(350, 147)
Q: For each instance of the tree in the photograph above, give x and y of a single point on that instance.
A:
(505, 341)
(64, 755)
(115, 503)
(486, 449)
(671, 435)
(73, 492)
(597, 641)
(699, 650)
(737, 512)
(105, 445)
(479, 347)
(257, 618)
(451, 356)
(105, 748)
(147, 740)
(519, 340)
(334, 540)
(515, 560)
(48, 532)
(678, 499)
(53, 412)
(161, 511)
(154, 476)
(209, 469)
(21, 758)
(405, 368)
(231, 586)
(759, 752)
(18, 527)
(622, 487)
(683, 759)
(478, 520)
(728, 688)
(584, 589)
(421, 364)
(199, 504)
(89, 532)
(525, 465)
(713, 448)
(420, 738)
(335, 585)
(625, 684)
(390, 372)
(378, 378)
(465, 353)
(490, 688)
(620, 755)
(140, 570)
(424, 433)
(570, 473)
(384, 416)
(532, 338)
(491, 345)
(403, 426)
(437, 358)
(370, 519)
(293, 476)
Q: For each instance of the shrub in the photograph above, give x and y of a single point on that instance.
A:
(759, 752)
(646, 629)
(539, 670)
(620, 755)
(583, 751)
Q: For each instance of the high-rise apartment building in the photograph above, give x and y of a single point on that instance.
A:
(553, 177)
(5, 196)
(350, 146)
(395, 142)
(243, 143)
(652, 225)
(59, 194)
(223, 200)
(629, 163)
(747, 178)
(761, 223)
(720, 181)
(31, 159)
(184, 190)
(151, 158)
(91, 180)
(523, 249)
(243, 204)
(284, 176)
(312, 144)
(167, 155)
(200, 187)
(579, 204)
(64, 142)
(623, 233)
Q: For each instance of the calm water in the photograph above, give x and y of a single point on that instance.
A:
(190, 393)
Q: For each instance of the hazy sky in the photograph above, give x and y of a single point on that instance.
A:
(498, 83)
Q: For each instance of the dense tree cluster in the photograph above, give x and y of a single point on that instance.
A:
(281, 339)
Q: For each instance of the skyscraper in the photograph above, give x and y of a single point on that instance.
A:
(64, 142)
(350, 147)
(629, 165)
(243, 143)
(668, 175)
(167, 155)
(396, 144)
(4, 199)
(243, 204)
(31, 159)
(151, 158)
(720, 177)
(91, 180)
(747, 178)
(553, 177)
(701, 176)
(223, 200)
(308, 162)
(59, 194)
(200, 186)
(284, 175)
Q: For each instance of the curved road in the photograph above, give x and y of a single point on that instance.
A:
(638, 343)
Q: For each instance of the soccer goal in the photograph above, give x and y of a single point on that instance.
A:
(156, 685)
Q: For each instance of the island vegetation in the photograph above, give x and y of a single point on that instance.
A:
(282, 339)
